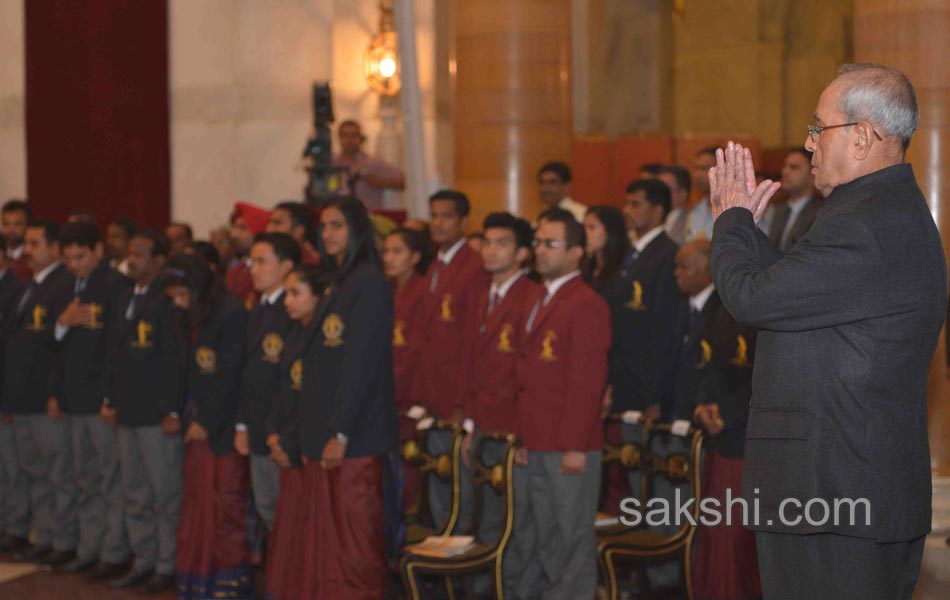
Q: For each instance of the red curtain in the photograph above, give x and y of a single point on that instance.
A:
(97, 108)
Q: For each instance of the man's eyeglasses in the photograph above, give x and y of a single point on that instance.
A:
(815, 130)
(548, 243)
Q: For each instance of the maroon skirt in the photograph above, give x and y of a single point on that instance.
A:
(284, 568)
(725, 565)
(212, 559)
(329, 538)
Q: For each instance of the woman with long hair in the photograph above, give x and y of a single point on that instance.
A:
(406, 256)
(607, 245)
(348, 421)
(304, 286)
(212, 554)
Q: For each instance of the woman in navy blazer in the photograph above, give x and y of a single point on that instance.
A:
(347, 413)
(212, 534)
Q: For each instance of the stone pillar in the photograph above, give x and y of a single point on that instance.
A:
(912, 36)
(512, 100)
(12, 102)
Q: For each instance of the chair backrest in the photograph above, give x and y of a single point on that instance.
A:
(445, 466)
(676, 467)
(632, 456)
(493, 461)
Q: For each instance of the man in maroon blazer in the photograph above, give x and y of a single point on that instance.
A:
(489, 383)
(452, 282)
(562, 374)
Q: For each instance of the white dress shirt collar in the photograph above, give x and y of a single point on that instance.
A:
(271, 299)
(556, 284)
(15, 253)
(698, 302)
(42, 275)
(502, 289)
(449, 254)
(644, 240)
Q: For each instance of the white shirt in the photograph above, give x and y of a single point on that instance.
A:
(699, 221)
(15, 253)
(449, 254)
(575, 208)
(140, 289)
(42, 275)
(556, 284)
(502, 290)
(698, 301)
(644, 240)
(272, 298)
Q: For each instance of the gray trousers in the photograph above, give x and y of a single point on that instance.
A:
(563, 508)
(102, 534)
(45, 457)
(265, 483)
(14, 492)
(520, 570)
(152, 481)
(440, 492)
(837, 567)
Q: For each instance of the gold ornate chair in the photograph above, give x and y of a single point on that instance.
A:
(446, 467)
(498, 479)
(632, 456)
(643, 546)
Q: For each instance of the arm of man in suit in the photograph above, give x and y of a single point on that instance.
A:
(586, 365)
(369, 332)
(669, 300)
(173, 357)
(822, 282)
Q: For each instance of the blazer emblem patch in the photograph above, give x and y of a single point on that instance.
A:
(333, 330)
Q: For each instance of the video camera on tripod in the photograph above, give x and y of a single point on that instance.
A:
(324, 181)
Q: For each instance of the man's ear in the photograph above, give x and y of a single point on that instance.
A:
(863, 138)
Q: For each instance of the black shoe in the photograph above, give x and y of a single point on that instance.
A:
(58, 558)
(106, 570)
(76, 565)
(158, 584)
(12, 543)
(130, 579)
(32, 554)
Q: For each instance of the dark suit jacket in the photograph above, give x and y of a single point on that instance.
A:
(800, 227)
(149, 359)
(447, 310)
(10, 289)
(848, 323)
(30, 356)
(265, 343)
(214, 373)
(348, 370)
(488, 379)
(82, 380)
(562, 371)
(643, 300)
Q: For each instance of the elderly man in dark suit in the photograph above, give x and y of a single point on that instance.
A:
(836, 451)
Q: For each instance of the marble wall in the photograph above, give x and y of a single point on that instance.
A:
(12, 101)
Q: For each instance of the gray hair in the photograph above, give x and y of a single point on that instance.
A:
(880, 95)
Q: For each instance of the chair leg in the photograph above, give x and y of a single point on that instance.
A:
(607, 572)
(449, 588)
(499, 583)
(687, 563)
(409, 583)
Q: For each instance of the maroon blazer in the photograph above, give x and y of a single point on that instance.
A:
(562, 371)
(408, 329)
(447, 310)
(488, 381)
(21, 269)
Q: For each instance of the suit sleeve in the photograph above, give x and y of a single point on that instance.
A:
(216, 410)
(816, 285)
(61, 299)
(364, 351)
(730, 385)
(173, 358)
(586, 365)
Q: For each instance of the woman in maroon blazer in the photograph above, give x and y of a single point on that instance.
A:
(406, 256)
